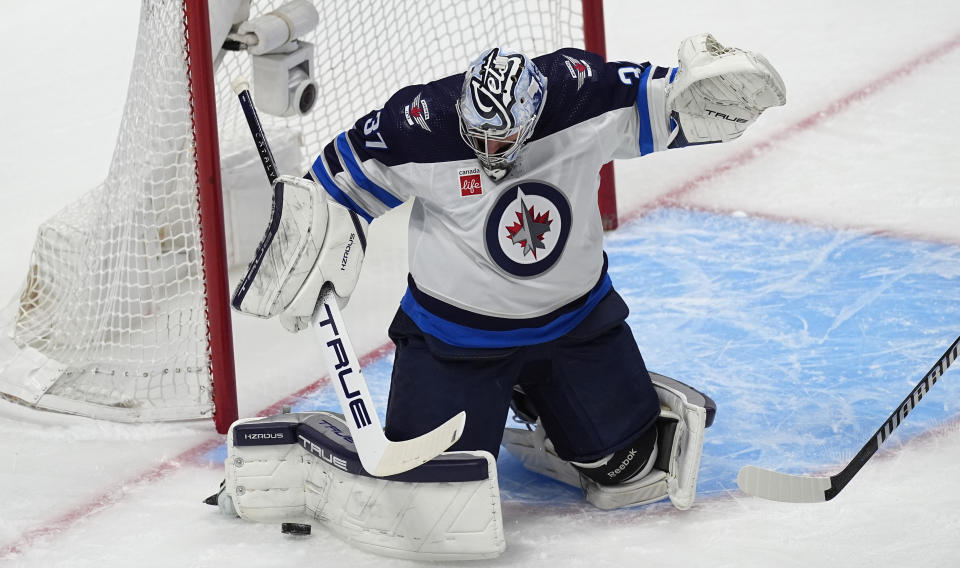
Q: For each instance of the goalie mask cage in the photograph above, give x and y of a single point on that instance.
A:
(124, 311)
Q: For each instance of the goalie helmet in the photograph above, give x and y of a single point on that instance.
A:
(502, 98)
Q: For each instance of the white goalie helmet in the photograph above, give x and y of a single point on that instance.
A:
(502, 98)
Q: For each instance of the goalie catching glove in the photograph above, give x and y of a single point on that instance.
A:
(311, 240)
(719, 91)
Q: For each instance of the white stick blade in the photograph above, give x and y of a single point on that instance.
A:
(785, 487)
(398, 457)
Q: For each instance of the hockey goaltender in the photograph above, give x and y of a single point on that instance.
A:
(508, 304)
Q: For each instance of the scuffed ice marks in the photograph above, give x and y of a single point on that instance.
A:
(805, 337)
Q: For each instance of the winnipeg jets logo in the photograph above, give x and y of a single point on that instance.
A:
(579, 69)
(527, 229)
(417, 113)
(492, 92)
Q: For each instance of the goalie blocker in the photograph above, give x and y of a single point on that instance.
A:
(309, 241)
(670, 471)
(301, 468)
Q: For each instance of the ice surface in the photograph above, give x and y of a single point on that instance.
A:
(806, 276)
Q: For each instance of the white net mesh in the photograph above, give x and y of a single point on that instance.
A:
(111, 320)
(365, 53)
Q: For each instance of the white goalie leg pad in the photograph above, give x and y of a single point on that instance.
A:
(446, 509)
(309, 241)
(535, 451)
(719, 91)
(264, 473)
(684, 414)
(694, 412)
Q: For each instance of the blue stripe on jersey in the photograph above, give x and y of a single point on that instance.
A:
(338, 195)
(463, 336)
(673, 74)
(360, 178)
(646, 133)
(333, 161)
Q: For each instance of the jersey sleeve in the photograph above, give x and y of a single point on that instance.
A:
(625, 101)
(353, 176)
(389, 154)
(650, 127)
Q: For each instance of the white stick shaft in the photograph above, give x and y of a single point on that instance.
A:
(347, 380)
(379, 456)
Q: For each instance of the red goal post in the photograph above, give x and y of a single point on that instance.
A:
(210, 198)
(595, 40)
(124, 311)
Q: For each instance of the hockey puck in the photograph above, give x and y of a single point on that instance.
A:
(295, 529)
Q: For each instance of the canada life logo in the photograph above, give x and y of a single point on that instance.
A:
(470, 182)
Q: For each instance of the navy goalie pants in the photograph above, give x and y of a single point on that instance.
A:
(590, 387)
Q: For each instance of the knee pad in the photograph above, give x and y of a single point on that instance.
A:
(684, 415)
(681, 449)
(634, 461)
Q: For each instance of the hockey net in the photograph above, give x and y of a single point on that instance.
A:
(113, 319)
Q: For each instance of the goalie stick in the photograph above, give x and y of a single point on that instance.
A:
(379, 456)
(789, 488)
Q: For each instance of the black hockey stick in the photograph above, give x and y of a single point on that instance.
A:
(242, 89)
(778, 486)
(379, 456)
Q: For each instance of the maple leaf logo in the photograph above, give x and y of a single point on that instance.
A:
(417, 112)
(579, 70)
(529, 229)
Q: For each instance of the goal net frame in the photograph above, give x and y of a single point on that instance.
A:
(36, 367)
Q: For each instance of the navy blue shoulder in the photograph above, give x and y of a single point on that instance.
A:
(417, 124)
(581, 86)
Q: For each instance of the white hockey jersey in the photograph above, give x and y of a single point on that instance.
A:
(517, 261)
